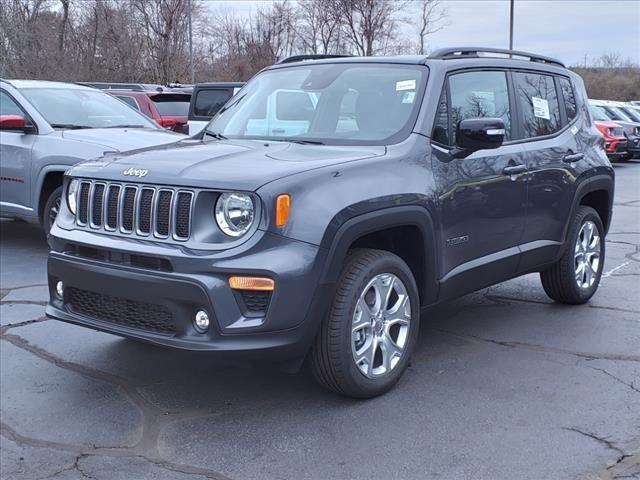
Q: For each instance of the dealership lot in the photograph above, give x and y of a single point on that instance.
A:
(504, 384)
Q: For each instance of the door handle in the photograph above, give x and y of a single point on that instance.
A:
(514, 169)
(572, 157)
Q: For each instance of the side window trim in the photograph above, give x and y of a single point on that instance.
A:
(517, 118)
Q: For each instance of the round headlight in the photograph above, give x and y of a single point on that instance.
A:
(235, 213)
(71, 195)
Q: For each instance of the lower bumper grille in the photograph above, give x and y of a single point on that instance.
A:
(121, 311)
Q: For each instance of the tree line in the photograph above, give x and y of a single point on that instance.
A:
(147, 41)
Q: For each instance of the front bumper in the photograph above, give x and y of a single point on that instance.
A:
(139, 291)
(616, 149)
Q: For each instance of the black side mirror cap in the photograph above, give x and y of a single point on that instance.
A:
(473, 134)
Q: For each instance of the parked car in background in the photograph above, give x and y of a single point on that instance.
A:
(206, 100)
(632, 111)
(168, 109)
(389, 185)
(615, 142)
(45, 127)
(631, 129)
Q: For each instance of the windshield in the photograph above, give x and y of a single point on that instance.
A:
(599, 114)
(344, 103)
(70, 108)
(614, 114)
(632, 114)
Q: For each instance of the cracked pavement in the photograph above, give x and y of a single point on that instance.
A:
(504, 384)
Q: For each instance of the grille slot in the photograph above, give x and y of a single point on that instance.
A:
(183, 214)
(128, 208)
(97, 204)
(121, 311)
(163, 212)
(112, 207)
(136, 209)
(83, 207)
(144, 211)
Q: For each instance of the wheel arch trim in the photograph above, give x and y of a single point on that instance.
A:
(338, 244)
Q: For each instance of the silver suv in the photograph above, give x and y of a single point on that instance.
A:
(46, 127)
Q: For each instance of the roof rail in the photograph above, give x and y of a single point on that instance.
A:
(300, 58)
(463, 52)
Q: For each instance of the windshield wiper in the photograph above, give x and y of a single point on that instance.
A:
(301, 141)
(69, 126)
(217, 136)
(124, 126)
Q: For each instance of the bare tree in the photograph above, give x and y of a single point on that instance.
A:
(369, 25)
(431, 16)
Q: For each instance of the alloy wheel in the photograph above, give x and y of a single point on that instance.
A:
(380, 325)
(587, 255)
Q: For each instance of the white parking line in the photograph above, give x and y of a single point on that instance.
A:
(614, 270)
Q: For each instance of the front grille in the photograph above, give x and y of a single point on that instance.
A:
(121, 311)
(136, 209)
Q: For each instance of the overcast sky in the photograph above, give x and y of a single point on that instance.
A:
(566, 29)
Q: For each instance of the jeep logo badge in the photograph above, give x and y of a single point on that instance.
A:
(135, 172)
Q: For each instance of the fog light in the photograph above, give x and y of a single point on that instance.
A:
(201, 321)
(60, 290)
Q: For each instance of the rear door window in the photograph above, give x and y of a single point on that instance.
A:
(208, 102)
(538, 100)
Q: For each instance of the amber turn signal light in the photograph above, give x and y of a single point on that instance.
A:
(283, 202)
(261, 284)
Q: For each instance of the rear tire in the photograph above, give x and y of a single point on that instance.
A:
(574, 278)
(367, 337)
(51, 209)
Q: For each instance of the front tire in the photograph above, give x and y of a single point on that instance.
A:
(51, 209)
(574, 279)
(366, 339)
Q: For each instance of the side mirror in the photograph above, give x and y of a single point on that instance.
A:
(12, 122)
(473, 134)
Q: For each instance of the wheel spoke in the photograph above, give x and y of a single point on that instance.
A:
(383, 287)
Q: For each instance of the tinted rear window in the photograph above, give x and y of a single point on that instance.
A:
(172, 105)
(569, 98)
(208, 102)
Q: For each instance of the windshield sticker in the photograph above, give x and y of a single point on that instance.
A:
(541, 108)
(408, 97)
(405, 85)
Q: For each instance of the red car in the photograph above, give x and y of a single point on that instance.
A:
(615, 143)
(169, 109)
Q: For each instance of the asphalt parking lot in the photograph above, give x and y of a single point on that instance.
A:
(504, 385)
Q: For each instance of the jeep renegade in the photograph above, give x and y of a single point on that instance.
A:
(331, 201)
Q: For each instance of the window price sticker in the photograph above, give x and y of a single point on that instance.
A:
(405, 85)
(540, 108)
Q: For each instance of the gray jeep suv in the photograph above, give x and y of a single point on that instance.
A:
(331, 201)
(45, 127)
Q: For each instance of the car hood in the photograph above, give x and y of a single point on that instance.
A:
(123, 139)
(228, 165)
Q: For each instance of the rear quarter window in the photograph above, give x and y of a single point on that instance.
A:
(569, 99)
